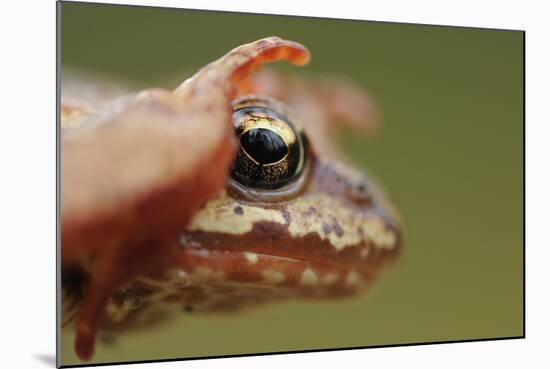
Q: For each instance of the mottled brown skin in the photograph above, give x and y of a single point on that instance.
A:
(290, 255)
(134, 172)
(328, 235)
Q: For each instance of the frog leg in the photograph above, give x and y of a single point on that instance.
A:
(139, 168)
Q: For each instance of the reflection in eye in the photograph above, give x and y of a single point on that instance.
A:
(263, 146)
(272, 152)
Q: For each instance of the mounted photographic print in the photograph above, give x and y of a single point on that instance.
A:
(243, 184)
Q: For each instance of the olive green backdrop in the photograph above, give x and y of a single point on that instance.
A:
(450, 153)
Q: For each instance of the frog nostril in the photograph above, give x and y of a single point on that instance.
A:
(238, 210)
(359, 193)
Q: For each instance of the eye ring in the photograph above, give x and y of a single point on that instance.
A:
(271, 153)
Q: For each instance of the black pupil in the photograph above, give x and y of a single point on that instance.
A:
(264, 145)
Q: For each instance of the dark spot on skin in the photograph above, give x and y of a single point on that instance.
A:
(360, 231)
(238, 210)
(311, 211)
(286, 215)
(359, 193)
(188, 309)
(337, 229)
(327, 228)
(268, 230)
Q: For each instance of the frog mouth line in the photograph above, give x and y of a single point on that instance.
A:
(270, 247)
(219, 266)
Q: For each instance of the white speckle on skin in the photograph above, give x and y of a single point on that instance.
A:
(376, 231)
(353, 278)
(387, 240)
(329, 278)
(187, 241)
(251, 257)
(364, 252)
(309, 278)
(179, 278)
(273, 276)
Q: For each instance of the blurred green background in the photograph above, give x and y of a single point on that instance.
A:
(450, 153)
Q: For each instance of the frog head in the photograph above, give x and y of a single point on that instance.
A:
(294, 220)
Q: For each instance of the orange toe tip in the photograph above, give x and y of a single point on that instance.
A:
(84, 346)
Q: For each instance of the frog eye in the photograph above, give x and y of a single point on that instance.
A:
(271, 150)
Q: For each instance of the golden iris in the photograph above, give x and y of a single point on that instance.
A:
(271, 150)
